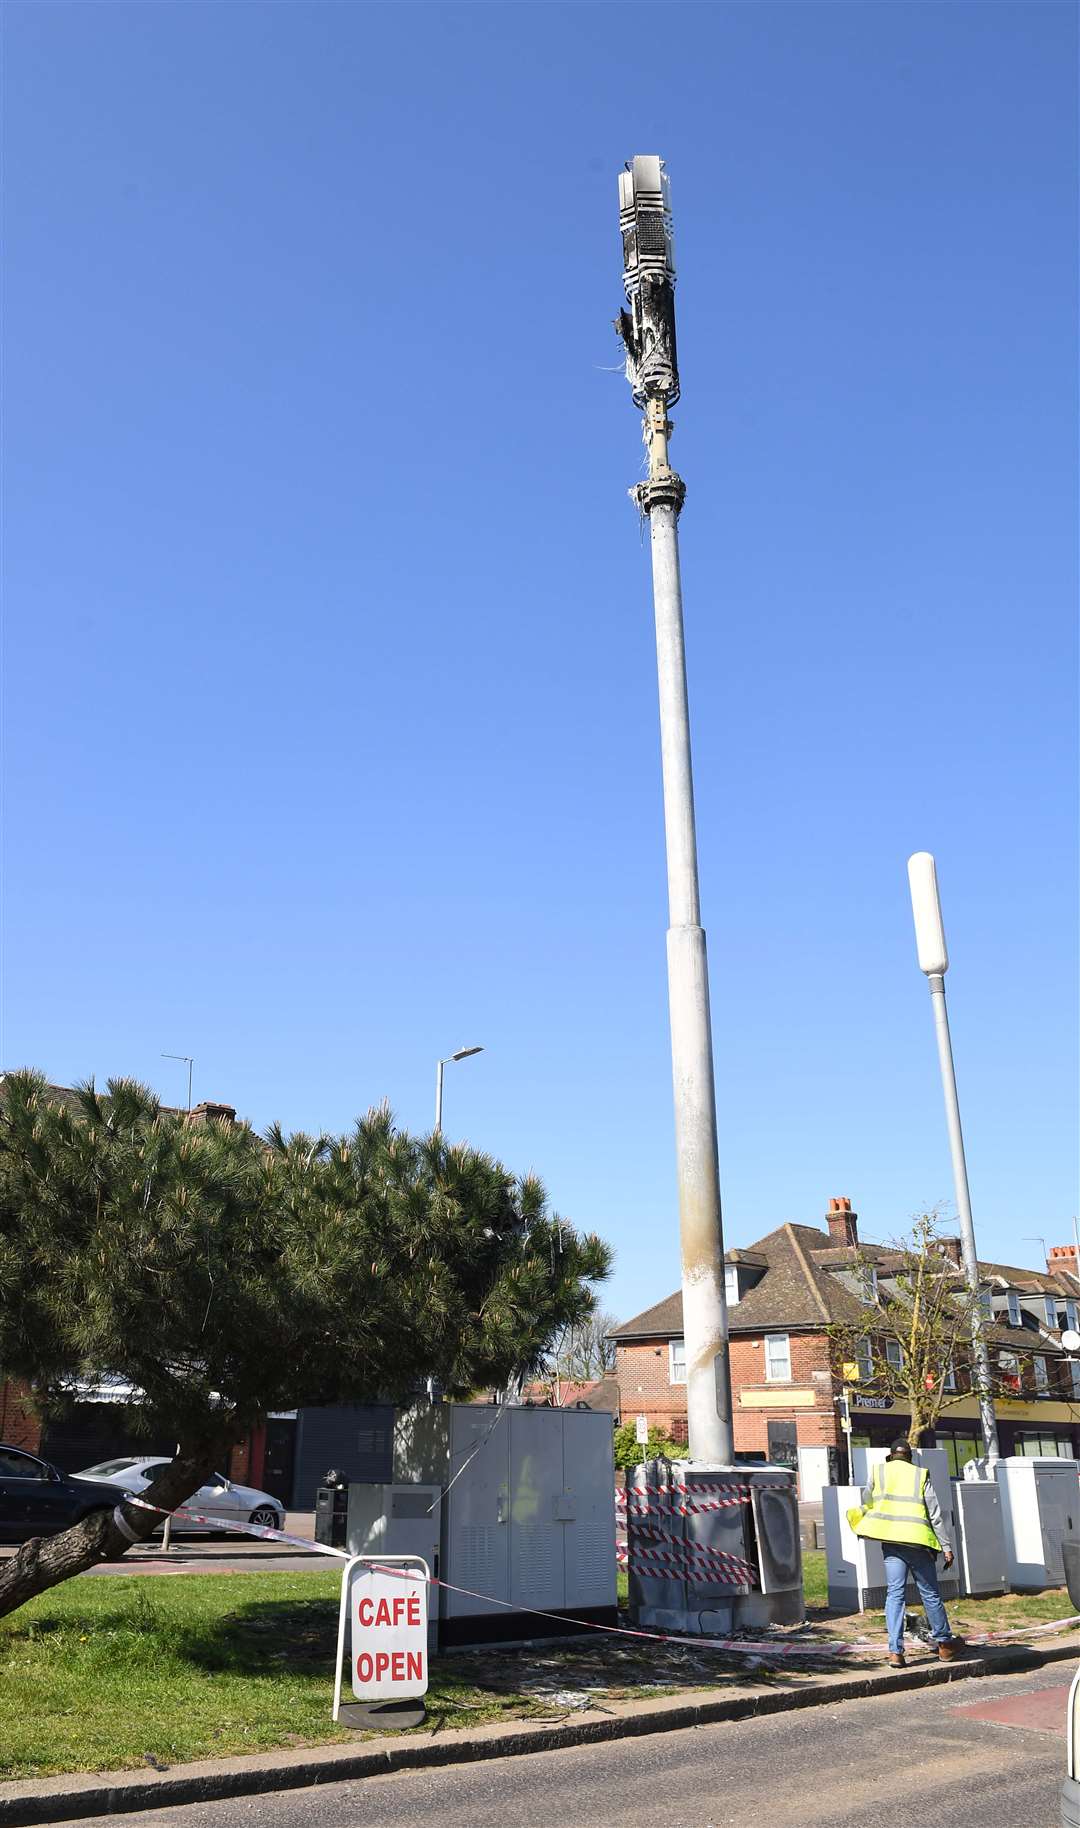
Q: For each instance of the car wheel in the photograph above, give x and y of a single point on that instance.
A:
(267, 1517)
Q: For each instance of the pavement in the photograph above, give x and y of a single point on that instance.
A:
(300, 1781)
(927, 1755)
(224, 1554)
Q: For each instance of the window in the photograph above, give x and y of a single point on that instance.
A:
(1050, 1310)
(1042, 1380)
(1074, 1368)
(1009, 1368)
(1070, 1316)
(778, 1358)
(986, 1303)
(1044, 1446)
(870, 1287)
(949, 1384)
(731, 1283)
(14, 1465)
(960, 1449)
(866, 1360)
(677, 1361)
(1014, 1308)
(894, 1353)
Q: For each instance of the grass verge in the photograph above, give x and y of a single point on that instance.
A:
(120, 1671)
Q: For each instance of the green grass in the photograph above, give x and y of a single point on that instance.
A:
(101, 1673)
(111, 1672)
(118, 1670)
(815, 1584)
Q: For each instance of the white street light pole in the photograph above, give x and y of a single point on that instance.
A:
(648, 332)
(934, 962)
(463, 1053)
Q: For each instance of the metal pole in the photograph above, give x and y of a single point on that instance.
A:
(648, 332)
(708, 1376)
(980, 1355)
(438, 1096)
(933, 956)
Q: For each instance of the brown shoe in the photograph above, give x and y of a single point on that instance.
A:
(897, 1660)
(952, 1647)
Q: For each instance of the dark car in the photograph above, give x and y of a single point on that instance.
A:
(36, 1499)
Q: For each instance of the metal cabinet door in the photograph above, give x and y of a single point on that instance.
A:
(537, 1508)
(589, 1494)
(1059, 1514)
(477, 1509)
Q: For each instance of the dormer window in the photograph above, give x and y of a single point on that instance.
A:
(986, 1303)
(870, 1281)
(1070, 1316)
(1014, 1307)
(1050, 1310)
(731, 1283)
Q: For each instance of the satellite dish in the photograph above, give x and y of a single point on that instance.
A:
(1071, 1341)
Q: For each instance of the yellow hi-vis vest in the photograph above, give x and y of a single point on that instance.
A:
(897, 1511)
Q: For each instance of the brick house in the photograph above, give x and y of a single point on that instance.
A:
(783, 1294)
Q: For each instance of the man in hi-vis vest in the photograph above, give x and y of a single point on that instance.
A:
(901, 1511)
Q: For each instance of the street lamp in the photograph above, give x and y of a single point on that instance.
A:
(463, 1053)
(934, 962)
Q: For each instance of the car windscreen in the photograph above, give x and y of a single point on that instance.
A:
(107, 1469)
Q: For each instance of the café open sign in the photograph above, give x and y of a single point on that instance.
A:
(384, 1604)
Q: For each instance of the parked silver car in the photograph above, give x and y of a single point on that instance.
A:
(218, 1499)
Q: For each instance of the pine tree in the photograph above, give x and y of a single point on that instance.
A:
(225, 1275)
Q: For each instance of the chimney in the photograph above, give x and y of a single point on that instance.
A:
(1061, 1257)
(843, 1223)
(953, 1249)
(212, 1113)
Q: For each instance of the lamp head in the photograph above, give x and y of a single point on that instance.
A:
(926, 907)
(464, 1052)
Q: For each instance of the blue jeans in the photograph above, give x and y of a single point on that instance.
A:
(902, 1559)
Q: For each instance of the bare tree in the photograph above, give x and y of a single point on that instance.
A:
(581, 1353)
(913, 1340)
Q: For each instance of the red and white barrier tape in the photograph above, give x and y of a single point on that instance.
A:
(748, 1648)
(633, 1500)
(701, 1565)
(261, 1530)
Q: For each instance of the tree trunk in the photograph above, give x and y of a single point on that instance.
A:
(45, 1561)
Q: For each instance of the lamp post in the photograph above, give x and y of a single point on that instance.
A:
(647, 328)
(189, 1062)
(463, 1053)
(934, 962)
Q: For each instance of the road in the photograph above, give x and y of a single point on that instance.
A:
(929, 1757)
(221, 1554)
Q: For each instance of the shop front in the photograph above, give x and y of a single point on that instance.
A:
(1038, 1428)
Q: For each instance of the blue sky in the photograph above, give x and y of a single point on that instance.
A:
(331, 738)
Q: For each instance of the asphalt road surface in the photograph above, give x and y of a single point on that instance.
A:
(976, 1754)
